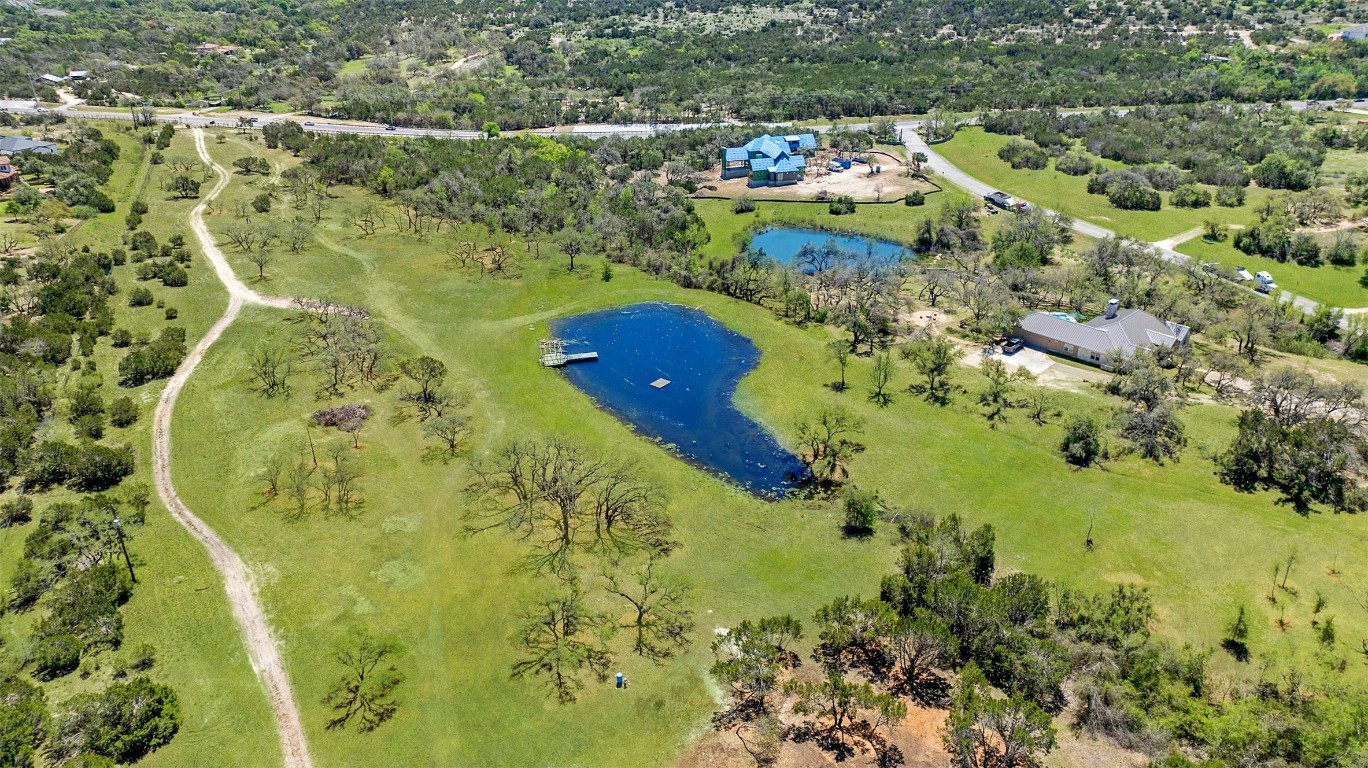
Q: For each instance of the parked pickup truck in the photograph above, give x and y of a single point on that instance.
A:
(1004, 201)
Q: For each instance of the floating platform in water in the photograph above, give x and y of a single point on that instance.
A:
(660, 383)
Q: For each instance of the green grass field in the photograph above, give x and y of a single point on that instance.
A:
(975, 152)
(404, 564)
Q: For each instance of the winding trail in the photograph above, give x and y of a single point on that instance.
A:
(237, 581)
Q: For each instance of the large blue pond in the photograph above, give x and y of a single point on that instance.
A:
(784, 243)
(694, 413)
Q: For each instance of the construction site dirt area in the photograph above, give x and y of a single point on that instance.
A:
(883, 179)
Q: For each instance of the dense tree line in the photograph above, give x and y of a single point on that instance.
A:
(537, 63)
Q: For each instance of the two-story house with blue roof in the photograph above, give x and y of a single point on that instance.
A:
(769, 161)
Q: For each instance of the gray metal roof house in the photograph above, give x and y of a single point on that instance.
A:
(1114, 331)
(1356, 32)
(13, 145)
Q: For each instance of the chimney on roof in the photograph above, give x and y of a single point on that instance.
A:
(1112, 307)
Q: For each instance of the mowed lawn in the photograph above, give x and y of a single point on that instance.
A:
(892, 221)
(975, 152)
(405, 565)
(1337, 286)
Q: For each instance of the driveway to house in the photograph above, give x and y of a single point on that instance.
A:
(1047, 370)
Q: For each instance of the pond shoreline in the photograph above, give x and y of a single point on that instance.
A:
(670, 373)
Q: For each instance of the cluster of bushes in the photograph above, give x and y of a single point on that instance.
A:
(1078, 163)
(155, 359)
(1274, 239)
(83, 617)
(1190, 196)
(1023, 155)
(1126, 190)
(85, 466)
(842, 205)
(1281, 170)
(171, 274)
(76, 172)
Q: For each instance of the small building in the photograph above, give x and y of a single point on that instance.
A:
(769, 161)
(14, 145)
(49, 79)
(1356, 32)
(78, 74)
(214, 49)
(1115, 331)
(8, 173)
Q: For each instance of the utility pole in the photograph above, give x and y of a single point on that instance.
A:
(118, 531)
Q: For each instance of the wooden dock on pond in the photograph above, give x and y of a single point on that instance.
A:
(553, 354)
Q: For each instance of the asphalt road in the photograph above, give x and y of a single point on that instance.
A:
(907, 129)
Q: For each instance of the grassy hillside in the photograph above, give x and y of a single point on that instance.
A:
(975, 152)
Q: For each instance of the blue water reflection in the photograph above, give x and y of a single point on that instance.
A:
(694, 413)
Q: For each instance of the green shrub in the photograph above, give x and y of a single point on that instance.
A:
(861, 512)
(154, 360)
(16, 512)
(89, 426)
(123, 412)
(914, 199)
(1343, 252)
(1134, 196)
(1075, 164)
(1082, 445)
(1190, 196)
(139, 297)
(743, 205)
(171, 313)
(55, 655)
(842, 205)
(1023, 154)
(124, 722)
(174, 276)
(1282, 171)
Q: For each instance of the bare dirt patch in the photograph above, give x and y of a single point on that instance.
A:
(861, 182)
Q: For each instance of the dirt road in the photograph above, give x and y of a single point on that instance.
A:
(237, 581)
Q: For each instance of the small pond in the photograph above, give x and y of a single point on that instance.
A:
(783, 243)
(702, 360)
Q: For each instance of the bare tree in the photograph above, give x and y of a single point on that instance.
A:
(270, 368)
(566, 499)
(660, 619)
(826, 444)
(452, 430)
(880, 376)
(298, 235)
(365, 694)
(260, 257)
(561, 639)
